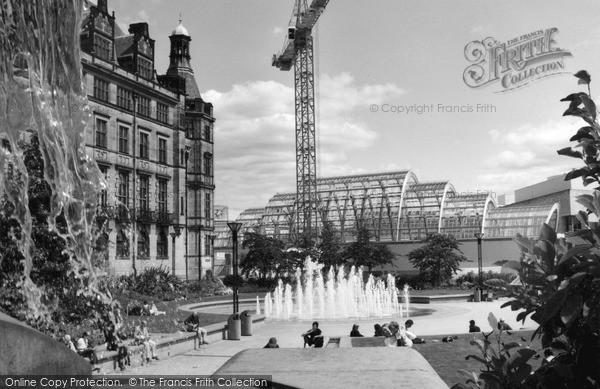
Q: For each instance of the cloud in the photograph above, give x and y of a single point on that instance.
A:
(527, 154)
(255, 140)
(278, 30)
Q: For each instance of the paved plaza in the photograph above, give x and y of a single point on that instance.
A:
(450, 317)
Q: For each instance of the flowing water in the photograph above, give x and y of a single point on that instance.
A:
(42, 91)
(341, 296)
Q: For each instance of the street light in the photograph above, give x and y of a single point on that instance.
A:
(235, 227)
(479, 236)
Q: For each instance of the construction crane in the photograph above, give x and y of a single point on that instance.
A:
(298, 50)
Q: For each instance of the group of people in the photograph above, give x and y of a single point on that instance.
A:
(502, 325)
(84, 347)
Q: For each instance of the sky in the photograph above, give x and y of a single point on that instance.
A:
(373, 62)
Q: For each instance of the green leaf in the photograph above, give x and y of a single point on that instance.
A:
(590, 106)
(548, 233)
(570, 152)
(571, 309)
(520, 357)
(510, 345)
(584, 77)
(493, 322)
(524, 243)
(477, 358)
(583, 133)
(523, 372)
(577, 250)
(575, 173)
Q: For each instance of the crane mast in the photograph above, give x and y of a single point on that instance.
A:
(298, 50)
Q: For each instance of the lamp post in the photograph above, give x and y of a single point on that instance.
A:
(235, 227)
(479, 236)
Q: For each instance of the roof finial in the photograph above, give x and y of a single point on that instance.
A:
(180, 18)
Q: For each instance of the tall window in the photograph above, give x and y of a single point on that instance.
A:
(122, 244)
(124, 139)
(100, 89)
(144, 68)
(162, 196)
(207, 134)
(162, 112)
(124, 99)
(144, 189)
(123, 187)
(101, 125)
(162, 244)
(207, 245)
(101, 47)
(207, 210)
(189, 129)
(104, 193)
(162, 150)
(143, 243)
(143, 106)
(208, 164)
(144, 145)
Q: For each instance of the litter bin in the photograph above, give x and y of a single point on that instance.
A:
(246, 323)
(476, 295)
(233, 327)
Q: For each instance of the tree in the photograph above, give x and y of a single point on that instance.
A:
(329, 248)
(265, 254)
(364, 253)
(438, 259)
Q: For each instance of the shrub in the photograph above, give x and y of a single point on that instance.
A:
(157, 282)
(233, 281)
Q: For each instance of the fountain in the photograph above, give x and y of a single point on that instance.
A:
(344, 296)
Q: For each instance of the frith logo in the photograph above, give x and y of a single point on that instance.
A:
(515, 63)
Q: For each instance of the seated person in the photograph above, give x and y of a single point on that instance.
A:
(69, 343)
(354, 333)
(142, 336)
(378, 331)
(151, 310)
(408, 324)
(272, 343)
(502, 325)
(313, 337)
(473, 327)
(192, 324)
(85, 349)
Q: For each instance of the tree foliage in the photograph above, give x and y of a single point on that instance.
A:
(52, 268)
(362, 252)
(330, 254)
(438, 259)
(265, 254)
(560, 278)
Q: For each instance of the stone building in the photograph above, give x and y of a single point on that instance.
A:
(152, 137)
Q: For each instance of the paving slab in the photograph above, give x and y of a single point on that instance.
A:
(385, 367)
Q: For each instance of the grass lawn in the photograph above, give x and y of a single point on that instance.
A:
(447, 358)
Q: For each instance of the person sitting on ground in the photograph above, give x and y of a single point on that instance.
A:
(151, 310)
(396, 335)
(378, 331)
(272, 343)
(142, 336)
(85, 349)
(154, 311)
(313, 337)
(473, 327)
(192, 324)
(69, 343)
(354, 333)
(407, 325)
(502, 325)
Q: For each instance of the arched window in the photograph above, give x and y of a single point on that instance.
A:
(162, 244)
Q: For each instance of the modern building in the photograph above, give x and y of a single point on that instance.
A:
(400, 211)
(152, 137)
